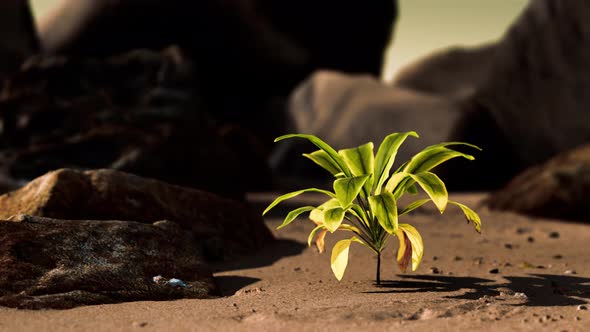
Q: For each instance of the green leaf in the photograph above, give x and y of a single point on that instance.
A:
(434, 155)
(411, 247)
(317, 214)
(414, 205)
(294, 214)
(386, 156)
(471, 215)
(296, 193)
(347, 189)
(412, 190)
(323, 146)
(395, 180)
(434, 187)
(312, 234)
(361, 161)
(323, 159)
(339, 258)
(385, 209)
(333, 218)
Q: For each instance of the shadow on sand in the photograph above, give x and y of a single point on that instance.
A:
(540, 289)
(266, 256)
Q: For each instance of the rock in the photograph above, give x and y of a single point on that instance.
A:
(59, 264)
(224, 228)
(535, 94)
(138, 112)
(18, 37)
(582, 307)
(263, 32)
(494, 271)
(250, 54)
(559, 188)
(350, 110)
(454, 72)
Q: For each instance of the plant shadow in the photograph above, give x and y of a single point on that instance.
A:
(266, 256)
(229, 285)
(540, 289)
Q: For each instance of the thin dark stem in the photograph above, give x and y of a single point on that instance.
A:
(378, 273)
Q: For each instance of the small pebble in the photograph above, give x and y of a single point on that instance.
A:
(530, 239)
(541, 267)
(458, 258)
(434, 258)
(557, 256)
(508, 245)
(569, 272)
(520, 295)
(578, 318)
(297, 269)
(522, 230)
(176, 283)
(435, 270)
(139, 324)
(582, 307)
(554, 235)
(495, 271)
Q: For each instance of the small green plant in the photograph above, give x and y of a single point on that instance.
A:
(364, 201)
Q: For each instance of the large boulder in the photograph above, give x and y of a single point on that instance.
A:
(48, 263)
(138, 112)
(536, 95)
(350, 110)
(559, 188)
(249, 54)
(223, 228)
(454, 72)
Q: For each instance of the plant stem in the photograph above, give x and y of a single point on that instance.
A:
(378, 273)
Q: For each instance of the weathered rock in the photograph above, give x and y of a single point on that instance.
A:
(559, 188)
(138, 112)
(18, 37)
(537, 92)
(250, 54)
(454, 72)
(350, 110)
(267, 35)
(223, 227)
(48, 263)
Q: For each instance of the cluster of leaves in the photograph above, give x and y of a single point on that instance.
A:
(365, 196)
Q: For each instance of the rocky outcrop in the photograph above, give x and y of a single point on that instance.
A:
(559, 188)
(249, 54)
(139, 112)
(223, 228)
(350, 110)
(60, 264)
(454, 72)
(537, 92)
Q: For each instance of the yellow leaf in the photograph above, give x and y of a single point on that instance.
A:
(411, 247)
(319, 241)
(339, 258)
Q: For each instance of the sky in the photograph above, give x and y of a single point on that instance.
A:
(427, 25)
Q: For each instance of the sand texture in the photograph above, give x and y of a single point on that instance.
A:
(520, 274)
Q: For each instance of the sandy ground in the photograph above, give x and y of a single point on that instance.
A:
(541, 283)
